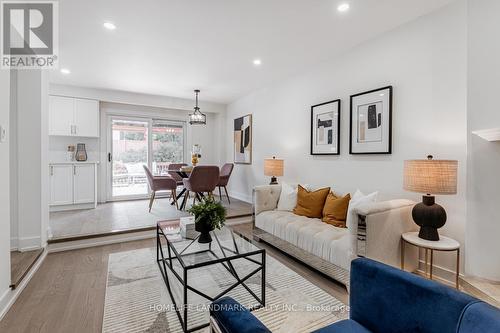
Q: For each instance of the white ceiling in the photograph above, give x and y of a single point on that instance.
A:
(170, 47)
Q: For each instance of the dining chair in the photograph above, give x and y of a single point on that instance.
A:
(203, 178)
(225, 174)
(175, 175)
(160, 183)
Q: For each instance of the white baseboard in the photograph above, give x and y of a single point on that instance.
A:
(241, 196)
(14, 244)
(10, 296)
(61, 208)
(440, 273)
(28, 243)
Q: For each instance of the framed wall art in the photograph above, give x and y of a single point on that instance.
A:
(325, 128)
(243, 140)
(371, 122)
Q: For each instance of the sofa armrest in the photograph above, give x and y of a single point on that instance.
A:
(265, 197)
(380, 226)
(232, 317)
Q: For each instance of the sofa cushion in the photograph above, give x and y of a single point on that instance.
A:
(335, 210)
(480, 317)
(389, 300)
(232, 317)
(311, 203)
(344, 326)
(311, 235)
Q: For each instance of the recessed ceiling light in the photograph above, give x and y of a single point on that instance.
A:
(343, 7)
(109, 26)
(382, 95)
(257, 62)
(65, 71)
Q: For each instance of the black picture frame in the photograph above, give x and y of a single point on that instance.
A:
(378, 119)
(312, 152)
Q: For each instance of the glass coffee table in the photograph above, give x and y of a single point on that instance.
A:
(197, 274)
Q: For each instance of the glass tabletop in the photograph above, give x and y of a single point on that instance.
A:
(226, 244)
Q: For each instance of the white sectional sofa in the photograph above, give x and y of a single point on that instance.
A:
(329, 249)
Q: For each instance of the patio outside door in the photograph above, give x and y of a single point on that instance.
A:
(135, 142)
(129, 152)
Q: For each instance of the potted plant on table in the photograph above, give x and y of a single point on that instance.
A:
(209, 215)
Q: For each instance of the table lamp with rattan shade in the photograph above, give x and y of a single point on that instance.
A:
(274, 168)
(430, 177)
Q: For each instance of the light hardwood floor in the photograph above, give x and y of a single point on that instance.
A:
(67, 293)
(21, 263)
(125, 215)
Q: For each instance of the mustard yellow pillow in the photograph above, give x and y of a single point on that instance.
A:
(310, 204)
(335, 210)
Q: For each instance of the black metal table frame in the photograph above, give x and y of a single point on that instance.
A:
(163, 263)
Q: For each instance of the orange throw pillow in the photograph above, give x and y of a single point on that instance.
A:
(310, 204)
(335, 210)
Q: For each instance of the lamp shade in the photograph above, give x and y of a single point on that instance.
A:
(431, 176)
(273, 167)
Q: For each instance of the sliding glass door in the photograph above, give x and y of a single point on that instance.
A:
(168, 145)
(129, 154)
(135, 142)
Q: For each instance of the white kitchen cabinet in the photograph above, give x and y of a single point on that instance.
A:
(86, 118)
(61, 114)
(73, 185)
(70, 116)
(61, 184)
(84, 190)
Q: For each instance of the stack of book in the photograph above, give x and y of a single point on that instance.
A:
(187, 227)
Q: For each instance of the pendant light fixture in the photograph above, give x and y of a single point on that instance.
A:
(197, 118)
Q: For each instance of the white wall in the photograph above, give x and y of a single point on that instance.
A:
(424, 60)
(32, 159)
(4, 190)
(13, 161)
(483, 222)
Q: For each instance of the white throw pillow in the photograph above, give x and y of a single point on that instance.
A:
(357, 199)
(288, 197)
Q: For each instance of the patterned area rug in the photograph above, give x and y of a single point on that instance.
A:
(137, 299)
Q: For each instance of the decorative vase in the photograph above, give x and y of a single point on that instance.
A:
(81, 153)
(204, 228)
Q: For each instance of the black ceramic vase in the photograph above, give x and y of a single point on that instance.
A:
(204, 227)
(430, 217)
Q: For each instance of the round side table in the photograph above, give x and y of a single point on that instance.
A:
(443, 244)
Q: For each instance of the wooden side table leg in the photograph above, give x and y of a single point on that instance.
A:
(432, 262)
(402, 254)
(426, 264)
(458, 269)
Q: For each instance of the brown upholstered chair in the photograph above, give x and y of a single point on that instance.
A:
(225, 174)
(203, 178)
(175, 175)
(160, 183)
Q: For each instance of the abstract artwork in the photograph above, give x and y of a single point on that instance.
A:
(243, 140)
(325, 128)
(371, 122)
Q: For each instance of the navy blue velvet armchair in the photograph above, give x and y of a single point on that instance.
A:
(384, 299)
